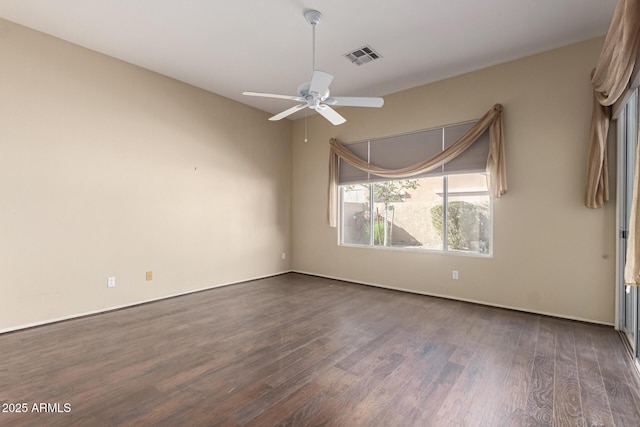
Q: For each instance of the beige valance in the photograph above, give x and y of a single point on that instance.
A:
(496, 166)
(611, 81)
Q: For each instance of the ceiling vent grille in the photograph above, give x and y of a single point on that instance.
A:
(362, 55)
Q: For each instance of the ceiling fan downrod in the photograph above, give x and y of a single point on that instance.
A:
(313, 17)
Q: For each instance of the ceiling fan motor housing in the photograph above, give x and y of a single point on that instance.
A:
(313, 99)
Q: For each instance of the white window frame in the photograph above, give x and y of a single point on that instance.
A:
(445, 196)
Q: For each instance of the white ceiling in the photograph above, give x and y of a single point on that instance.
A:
(227, 47)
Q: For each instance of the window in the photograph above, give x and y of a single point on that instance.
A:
(444, 210)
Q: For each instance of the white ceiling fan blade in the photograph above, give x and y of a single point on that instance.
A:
(355, 101)
(331, 114)
(288, 112)
(273, 95)
(320, 82)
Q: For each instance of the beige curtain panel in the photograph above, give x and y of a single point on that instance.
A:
(610, 80)
(496, 166)
(632, 263)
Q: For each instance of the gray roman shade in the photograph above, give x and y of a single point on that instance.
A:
(474, 159)
(399, 151)
(350, 174)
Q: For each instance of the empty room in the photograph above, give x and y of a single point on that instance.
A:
(340, 213)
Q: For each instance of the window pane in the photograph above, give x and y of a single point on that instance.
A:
(355, 214)
(403, 210)
(468, 214)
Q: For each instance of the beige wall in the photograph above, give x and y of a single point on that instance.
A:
(551, 254)
(110, 170)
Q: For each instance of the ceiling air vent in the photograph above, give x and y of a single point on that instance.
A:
(363, 55)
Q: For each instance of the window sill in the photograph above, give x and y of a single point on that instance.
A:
(419, 250)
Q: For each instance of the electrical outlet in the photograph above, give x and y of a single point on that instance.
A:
(149, 275)
(284, 255)
(455, 275)
(111, 282)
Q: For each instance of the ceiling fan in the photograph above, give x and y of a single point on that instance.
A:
(315, 93)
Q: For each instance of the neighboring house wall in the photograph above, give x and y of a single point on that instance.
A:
(107, 169)
(550, 253)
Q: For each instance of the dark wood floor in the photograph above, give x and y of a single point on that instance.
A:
(299, 350)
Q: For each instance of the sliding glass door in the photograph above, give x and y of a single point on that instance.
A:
(628, 296)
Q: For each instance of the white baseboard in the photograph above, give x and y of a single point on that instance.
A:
(431, 294)
(133, 304)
